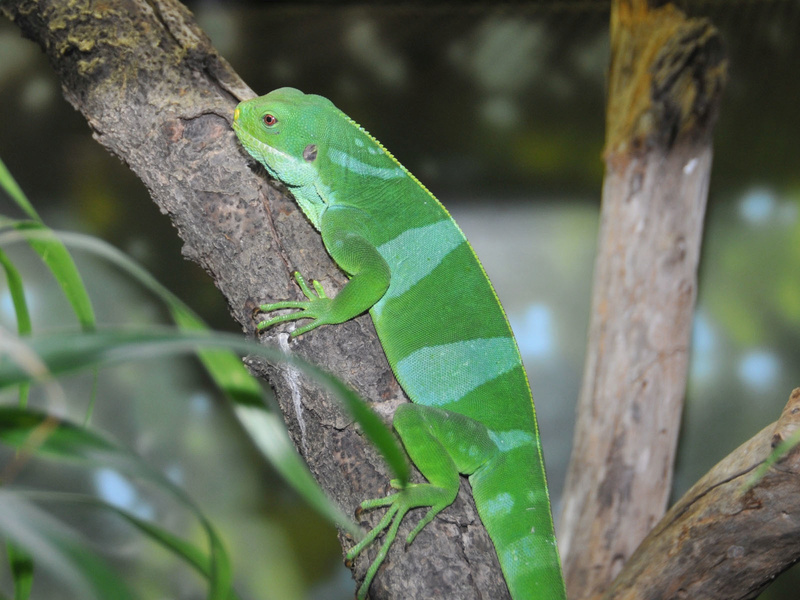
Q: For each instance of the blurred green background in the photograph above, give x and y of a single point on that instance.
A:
(499, 109)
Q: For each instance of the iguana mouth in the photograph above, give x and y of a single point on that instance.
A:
(255, 147)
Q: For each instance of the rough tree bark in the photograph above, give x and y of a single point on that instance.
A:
(730, 534)
(666, 77)
(157, 95)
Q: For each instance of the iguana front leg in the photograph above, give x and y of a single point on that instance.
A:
(369, 280)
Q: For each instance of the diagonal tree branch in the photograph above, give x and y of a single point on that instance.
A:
(725, 540)
(158, 95)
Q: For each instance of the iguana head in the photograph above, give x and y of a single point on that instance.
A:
(282, 130)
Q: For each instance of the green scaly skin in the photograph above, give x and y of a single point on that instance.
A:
(439, 322)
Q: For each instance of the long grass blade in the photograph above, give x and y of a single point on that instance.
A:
(35, 433)
(195, 557)
(58, 259)
(244, 390)
(237, 383)
(68, 353)
(21, 564)
(10, 185)
(16, 289)
(51, 250)
(55, 255)
(59, 547)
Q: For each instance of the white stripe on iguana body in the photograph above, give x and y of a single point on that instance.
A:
(500, 505)
(508, 440)
(523, 551)
(358, 167)
(533, 497)
(415, 253)
(448, 372)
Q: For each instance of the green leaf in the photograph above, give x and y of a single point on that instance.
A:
(51, 251)
(242, 389)
(9, 184)
(55, 255)
(32, 432)
(21, 564)
(195, 557)
(67, 353)
(265, 428)
(17, 291)
(60, 548)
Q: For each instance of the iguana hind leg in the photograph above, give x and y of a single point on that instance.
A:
(441, 444)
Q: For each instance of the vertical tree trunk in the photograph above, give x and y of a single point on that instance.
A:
(666, 77)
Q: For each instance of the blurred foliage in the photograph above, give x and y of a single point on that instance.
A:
(32, 536)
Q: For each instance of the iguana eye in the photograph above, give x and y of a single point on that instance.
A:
(270, 120)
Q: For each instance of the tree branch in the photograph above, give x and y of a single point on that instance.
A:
(725, 540)
(158, 95)
(666, 77)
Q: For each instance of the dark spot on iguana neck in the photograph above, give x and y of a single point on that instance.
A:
(310, 153)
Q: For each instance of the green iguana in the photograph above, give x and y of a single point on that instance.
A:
(439, 321)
